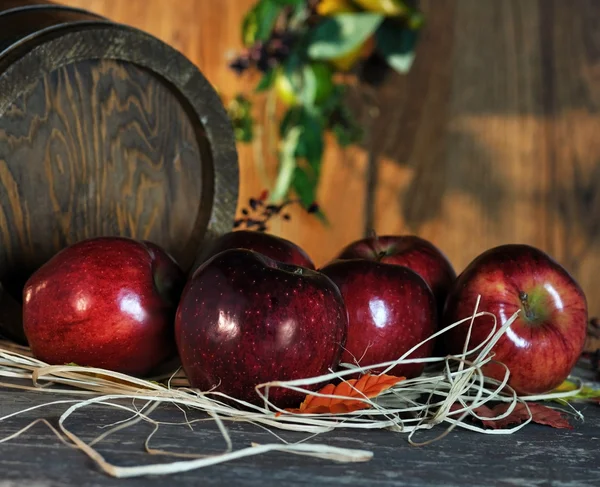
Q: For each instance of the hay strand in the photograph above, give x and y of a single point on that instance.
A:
(448, 392)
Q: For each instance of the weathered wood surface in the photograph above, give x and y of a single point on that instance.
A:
(492, 138)
(537, 455)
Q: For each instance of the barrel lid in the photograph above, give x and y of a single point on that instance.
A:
(35, 62)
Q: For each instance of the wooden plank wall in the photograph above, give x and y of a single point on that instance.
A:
(494, 137)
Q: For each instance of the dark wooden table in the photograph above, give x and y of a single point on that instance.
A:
(535, 455)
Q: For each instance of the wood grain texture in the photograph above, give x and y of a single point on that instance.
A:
(535, 455)
(96, 148)
(490, 139)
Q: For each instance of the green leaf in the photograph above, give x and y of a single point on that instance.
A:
(240, 113)
(244, 132)
(342, 33)
(291, 118)
(290, 3)
(583, 392)
(306, 128)
(335, 100)
(308, 86)
(306, 190)
(311, 143)
(260, 20)
(304, 187)
(268, 12)
(397, 46)
(309, 153)
(302, 82)
(266, 81)
(249, 28)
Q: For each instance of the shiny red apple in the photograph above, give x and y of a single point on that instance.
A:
(276, 248)
(391, 309)
(411, 251)
(541, 347)
(245, 319)
(104, 302)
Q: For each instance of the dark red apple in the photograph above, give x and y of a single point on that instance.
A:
(390, 310)
(541, 347)
(246, 319)
(276, 248)
(411, 251)
(105, 302)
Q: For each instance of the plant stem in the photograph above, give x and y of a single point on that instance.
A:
(259, 156)
(287, 164)
(270, 112)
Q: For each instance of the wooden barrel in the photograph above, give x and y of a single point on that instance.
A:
(104, 130)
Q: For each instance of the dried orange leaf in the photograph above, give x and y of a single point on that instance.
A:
(367, 386)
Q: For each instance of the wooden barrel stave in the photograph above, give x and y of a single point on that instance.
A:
(104, 130)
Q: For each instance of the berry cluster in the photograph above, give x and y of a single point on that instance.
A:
(265, 55)
(258, 212)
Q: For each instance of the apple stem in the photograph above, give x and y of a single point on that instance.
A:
(374, 244)
(525, 302)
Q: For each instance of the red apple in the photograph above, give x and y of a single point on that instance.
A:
(245, 319)
(411, 251)
(105, 302)
(541, 347)
(390, 310)
(276, 248)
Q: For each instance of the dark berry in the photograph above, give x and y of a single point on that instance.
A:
(240, 65)
(313, 208)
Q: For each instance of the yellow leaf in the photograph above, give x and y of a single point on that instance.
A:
(566, 386)
(386, 7)
(332, 7)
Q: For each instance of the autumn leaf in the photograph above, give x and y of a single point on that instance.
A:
(540, 414)
(586, 393)
(368, 386)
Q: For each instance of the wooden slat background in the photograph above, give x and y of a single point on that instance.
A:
(494, 137)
